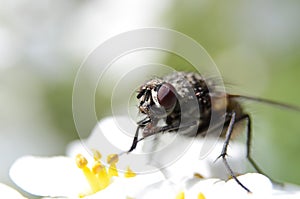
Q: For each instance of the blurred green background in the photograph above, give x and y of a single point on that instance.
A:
(255, 44)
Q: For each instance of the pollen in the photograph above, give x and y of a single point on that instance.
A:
(112, 159)
(129, 173)
(198, 175)
(180, 195)
(98, 176)
(81, 161)
(97, 155)
(201, 196)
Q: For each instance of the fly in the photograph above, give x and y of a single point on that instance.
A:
(171, 99)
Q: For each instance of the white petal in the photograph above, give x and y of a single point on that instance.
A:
(112, 134)
(77, 147)
(127, 187)
(163, 189)
(7, 192)
(135, 184)
(54, 176)
(286, 191)
(259, 185)
(211, 188)
(188, 163)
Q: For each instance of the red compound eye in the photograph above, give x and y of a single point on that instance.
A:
(166, 96)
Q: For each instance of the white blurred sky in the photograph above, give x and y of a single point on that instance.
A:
(47, 33)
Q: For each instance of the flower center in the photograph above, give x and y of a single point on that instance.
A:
(99, 177)
(181, 195)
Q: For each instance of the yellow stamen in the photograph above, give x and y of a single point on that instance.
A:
(112, 170)
(129, 173)
(180, 195)
(201, 196)
(81, 161)
(112, 159)
(91, 178)
(198, 175)
(97, 155)
(101, 173)
(99, 177)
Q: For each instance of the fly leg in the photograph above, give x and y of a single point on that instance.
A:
(248, 142)
(223, 154)
(151, 130)
(135, 140)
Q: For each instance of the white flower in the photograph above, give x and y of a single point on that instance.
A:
(177, 177)
(61, 177)
(9, 193)
(260, 186)
(78, 175)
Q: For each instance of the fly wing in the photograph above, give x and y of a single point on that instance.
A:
(266, 101)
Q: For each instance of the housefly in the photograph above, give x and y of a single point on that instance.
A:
(186, 101)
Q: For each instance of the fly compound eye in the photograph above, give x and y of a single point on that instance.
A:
(166, 96)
